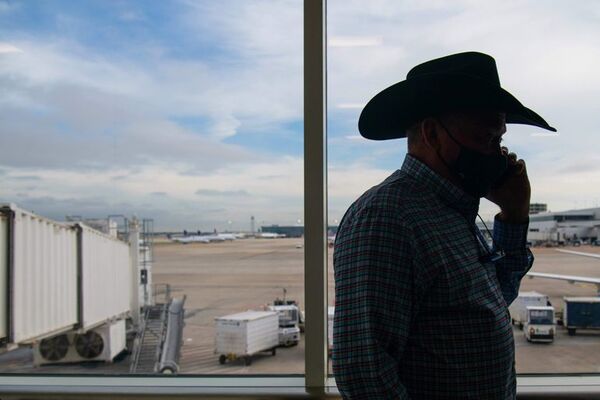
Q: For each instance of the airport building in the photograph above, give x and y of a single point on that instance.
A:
(288, 231)
(536, 208)
(565, 226)
(292, 230)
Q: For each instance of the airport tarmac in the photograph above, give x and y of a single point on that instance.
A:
(229, 277)
(234, 276)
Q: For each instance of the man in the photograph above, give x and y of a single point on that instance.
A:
(421, 300)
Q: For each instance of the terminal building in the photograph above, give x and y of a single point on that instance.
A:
(288, 231)
(536, 208)
(293, 230)
(565, 226)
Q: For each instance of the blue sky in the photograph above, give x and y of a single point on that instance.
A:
(190, 112)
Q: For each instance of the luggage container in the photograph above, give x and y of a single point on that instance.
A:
(581, 313)
(105, 277)
(39, 258)
(244, 334)
(518, 308)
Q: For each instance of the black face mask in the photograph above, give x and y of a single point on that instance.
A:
(479, 172)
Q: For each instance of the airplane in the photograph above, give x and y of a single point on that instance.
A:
(570, 278)
(219, 237)
(270, 235)
(579, 253)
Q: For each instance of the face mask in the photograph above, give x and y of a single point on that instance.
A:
(479, 172)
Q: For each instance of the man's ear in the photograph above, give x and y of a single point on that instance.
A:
(429, 130)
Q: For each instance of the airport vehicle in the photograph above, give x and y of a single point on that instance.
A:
(245, 334)
(289, 319)
(581, 313)
(519, 309)
(539, 326)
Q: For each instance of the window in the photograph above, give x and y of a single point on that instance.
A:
(247, 387)
(545, 53)
(188, 117)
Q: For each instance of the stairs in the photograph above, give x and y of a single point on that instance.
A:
(149, 340)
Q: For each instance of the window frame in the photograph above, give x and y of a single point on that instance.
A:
(315, 383)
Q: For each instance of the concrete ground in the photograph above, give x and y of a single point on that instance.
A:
(229, 277)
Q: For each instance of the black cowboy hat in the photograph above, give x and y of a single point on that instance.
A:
(463, 81)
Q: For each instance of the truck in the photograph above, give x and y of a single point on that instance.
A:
(518, 308)
(289, 319)
(581, 313)
(539, 326)
(245, 334)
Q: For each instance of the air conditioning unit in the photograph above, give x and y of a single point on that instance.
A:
(103, 343)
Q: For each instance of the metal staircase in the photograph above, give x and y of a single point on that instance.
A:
(150, 339)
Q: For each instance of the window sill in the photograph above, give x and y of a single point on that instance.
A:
(247, 387)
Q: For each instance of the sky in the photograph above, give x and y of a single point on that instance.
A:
(191, 112)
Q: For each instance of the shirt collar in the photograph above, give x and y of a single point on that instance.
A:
(450, 194)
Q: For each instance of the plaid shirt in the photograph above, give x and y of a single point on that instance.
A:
(418, 314)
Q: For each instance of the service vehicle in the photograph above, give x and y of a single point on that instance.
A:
(289, 319)
(540, 326)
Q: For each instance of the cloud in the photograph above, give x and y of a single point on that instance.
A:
(350, 106)
(6, 6)
(104, 126)
(355, 41)
(581, 168)
(220, 193)
(26, 177)
(6, 48)
(131, 16)
(354, 137)
(128, 143)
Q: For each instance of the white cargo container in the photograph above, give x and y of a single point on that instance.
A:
(105, 277)
(40, 259)
(518, 308)
(244, 334)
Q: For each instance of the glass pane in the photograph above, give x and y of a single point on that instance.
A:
(546, 53)
(185, 116)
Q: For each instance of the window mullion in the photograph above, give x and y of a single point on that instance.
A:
(315, 193)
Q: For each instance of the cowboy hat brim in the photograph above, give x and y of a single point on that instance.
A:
(392, 111)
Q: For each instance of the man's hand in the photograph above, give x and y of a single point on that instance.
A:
(514, 192)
